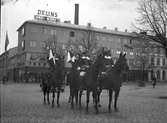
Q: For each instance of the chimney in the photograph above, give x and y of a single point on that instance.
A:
(76, 16)
(104, 27)
(116, 29)
(89, 24)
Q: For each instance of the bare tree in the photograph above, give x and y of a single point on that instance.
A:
(87, 42)
(153, 20)
(141, 56)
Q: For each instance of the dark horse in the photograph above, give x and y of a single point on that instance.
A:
(45, 87)
(112, 79)
(54, 80)
(73, 78)
(79, 65)
(84, 80)
(89, 82)
(108, 62)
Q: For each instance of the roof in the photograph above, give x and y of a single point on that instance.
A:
(78, 27)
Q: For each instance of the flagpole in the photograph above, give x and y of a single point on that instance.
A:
(6, 45)
(6, 63)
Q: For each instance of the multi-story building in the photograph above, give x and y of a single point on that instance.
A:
(34, 36)
(8, 64)
(3, 64)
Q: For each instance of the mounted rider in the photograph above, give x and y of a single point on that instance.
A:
(108, 61)
(56, 70)
(84, 62)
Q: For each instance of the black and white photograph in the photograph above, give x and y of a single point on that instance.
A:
(83, 61)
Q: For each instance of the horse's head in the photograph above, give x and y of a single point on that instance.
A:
(121, 64)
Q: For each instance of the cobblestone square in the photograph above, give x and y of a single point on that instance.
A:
(23, 103)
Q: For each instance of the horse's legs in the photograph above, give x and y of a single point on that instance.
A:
(69, 99)
(44, 94)
(87, 100)
(53, 97)
(72, 98)
(48, 97)
(98, 97)
(76, 97)
(96, 100)
(80, 96)
(58, 96)
(116, 98)
(110, 100)
(93, 95)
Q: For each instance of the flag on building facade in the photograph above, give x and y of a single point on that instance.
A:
(51, 56)
(68, 56)
(6, 41)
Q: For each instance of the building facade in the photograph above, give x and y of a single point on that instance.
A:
(35, 37)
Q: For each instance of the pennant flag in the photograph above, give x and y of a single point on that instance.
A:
(73, 59)
(6, 41)
(51, 56)
(68, 56)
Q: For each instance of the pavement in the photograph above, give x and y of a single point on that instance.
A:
(23, 103)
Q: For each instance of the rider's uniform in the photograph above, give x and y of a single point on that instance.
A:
(84, 64)
(108, 64)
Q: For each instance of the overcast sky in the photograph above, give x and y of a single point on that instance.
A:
(109, 13)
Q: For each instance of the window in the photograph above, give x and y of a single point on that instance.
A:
(23, 44)
(46, 31)
(72, 34)
(163, 75)
(163, 62)
(158, 74)
(33, 44)
(43, 45)
(22, 31)
(158, 61)
(34, 64)
(152, 61)
(158, 50)
(53, 32)
(130, 41)
(34, 29)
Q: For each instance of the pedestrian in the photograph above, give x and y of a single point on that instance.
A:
(4, 79)
(154, 80)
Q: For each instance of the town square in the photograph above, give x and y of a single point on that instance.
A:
(92, 61)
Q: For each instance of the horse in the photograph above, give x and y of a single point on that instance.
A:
(108, 62)
(73, 79)
(45, 87)
(89, 82)
(112, 79)
(54, 80)
(80, 64)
